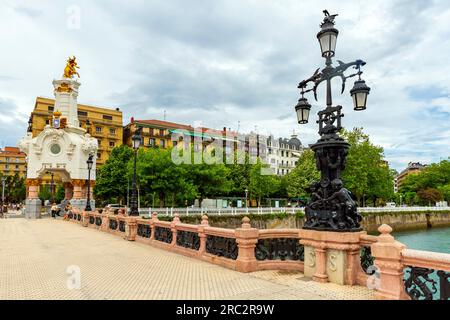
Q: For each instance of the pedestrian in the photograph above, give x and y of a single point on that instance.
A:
(54, 209)
(68, 211)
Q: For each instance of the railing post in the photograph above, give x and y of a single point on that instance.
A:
(85, 218)
(105, 221)
(152, 225)
(130, 228)
(246, 238)
(388, 258)
(202, 234)
(173, 228)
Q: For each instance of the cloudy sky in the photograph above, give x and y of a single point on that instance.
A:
(234, 62)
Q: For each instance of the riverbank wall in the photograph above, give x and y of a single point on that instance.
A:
(399, 221)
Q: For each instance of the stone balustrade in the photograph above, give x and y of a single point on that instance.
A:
(347, 258)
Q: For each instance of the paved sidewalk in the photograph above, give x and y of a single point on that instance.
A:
(34, 256)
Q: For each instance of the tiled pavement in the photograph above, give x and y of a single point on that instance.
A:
(35, 254)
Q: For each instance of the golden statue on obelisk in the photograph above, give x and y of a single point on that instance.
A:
(71, 68)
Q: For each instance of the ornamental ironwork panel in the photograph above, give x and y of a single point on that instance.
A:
(79, 217)
(163, 234)
(70, 215)
(113, 224)
(367, 260)
(122, 226)
(279, 249)
(427, 284)
(188, 239)
(91, 220)
(222, 247)
(144, 230)
(98, 221)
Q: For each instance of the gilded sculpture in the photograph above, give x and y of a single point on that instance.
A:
(71, 68)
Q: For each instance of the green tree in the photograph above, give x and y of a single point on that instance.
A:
(366, 174)
(301, 177)
(261, 183)
(429, 195)
(112, 178)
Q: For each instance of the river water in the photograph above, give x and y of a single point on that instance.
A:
(434, 239)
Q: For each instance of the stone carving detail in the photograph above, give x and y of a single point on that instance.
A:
(279, 249)
(188, 239)
(312, 258)
(222, 247)
(90, 145)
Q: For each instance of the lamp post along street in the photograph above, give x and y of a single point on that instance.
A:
(137, 140)
(246, 195)
(331, 207)
(89, 163)
(3, 193)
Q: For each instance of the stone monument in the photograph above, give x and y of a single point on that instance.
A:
(62, 148)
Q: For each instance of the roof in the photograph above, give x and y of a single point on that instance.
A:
(12, 151)
(166, 124)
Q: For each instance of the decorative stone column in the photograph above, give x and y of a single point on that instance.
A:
(152, 225)
(33, 203)
(175, 221)
(130, 228)
(246, 238)
(68, 191)
(388, 258)
(202, 235)
(331, 256)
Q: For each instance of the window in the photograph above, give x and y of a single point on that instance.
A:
(107, 117)
(282, 153)
(151, 131)
(17, 160)
(51, 108)
(6, 166)
(99, 155)
(151, 142)
(7, 159)
(98, 129)
(112, 144)
(17, 166)
(112, 131)
(282, 171)
(82, 113)
(99, 142)
(162, 143)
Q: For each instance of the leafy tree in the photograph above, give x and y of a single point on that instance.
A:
(262, 185)
(429, 195)
(366, 175)
(301, 177)
(112, 178)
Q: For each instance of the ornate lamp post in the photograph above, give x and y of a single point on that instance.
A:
(331, 206)
(52, 181)
(246, 194)
(89, 162)
(137, 140)
(3, 193)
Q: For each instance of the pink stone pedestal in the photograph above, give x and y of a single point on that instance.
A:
(331, 256)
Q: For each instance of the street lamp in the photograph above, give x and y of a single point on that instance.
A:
(89, 162)
(331, 206)
(246, 193)
(137, 140)
(3, 192)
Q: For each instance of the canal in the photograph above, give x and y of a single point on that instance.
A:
(434, 239)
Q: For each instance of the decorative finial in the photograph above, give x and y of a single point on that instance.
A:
(329, 18)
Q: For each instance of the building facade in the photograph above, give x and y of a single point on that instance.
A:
(412, 168)
(105, 124)
(13, 161)
(283, 154)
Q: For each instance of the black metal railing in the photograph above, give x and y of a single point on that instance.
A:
(113, 224)
(163, 234)
(91, 220)
(144, 230)
(70, 215)
(122, 226)
(427, 284)
(279, 249)
(188, 239)
(222, 247)
(98, 221)
(366, 260)
(79, 217)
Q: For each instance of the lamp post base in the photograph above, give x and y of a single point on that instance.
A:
(33, 208)
(80, 204)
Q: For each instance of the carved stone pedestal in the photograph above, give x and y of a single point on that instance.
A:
(33, 208)
(331, 256)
